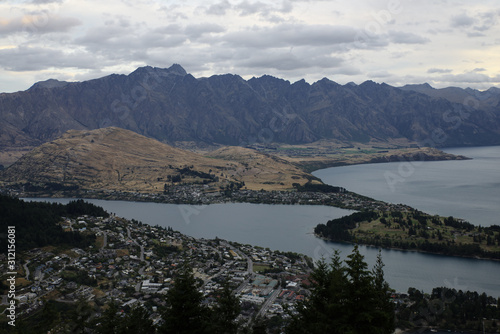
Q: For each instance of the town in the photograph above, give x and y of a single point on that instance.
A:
(195, 194)
(132, 264)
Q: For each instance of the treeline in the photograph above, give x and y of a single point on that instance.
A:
(79, 276)
(449, 248)
(37, 223)
(317, 187)
(423, 233)
(47, 187)
(339, 229)
(450, 309)
(189, 171)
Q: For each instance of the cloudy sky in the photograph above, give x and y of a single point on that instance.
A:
(444, 43)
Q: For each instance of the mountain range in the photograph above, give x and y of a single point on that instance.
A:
(173, 106)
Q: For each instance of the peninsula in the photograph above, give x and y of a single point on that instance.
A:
(410, 229)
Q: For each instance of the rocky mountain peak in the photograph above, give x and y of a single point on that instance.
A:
(177, 69)
(50, 83)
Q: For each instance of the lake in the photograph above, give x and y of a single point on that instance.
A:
(468, 189)
(289, 228)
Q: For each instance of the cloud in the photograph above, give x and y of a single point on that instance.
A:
(289, 35)
(249, 8)
(479, 22)
(218, 9)
(439, 70)
(266, 9)
(401, 37)
(379, 74)
(462, 20)
(347, 70)
(286, 38)
(286, 6)
(194, 31)
(470, 77)
(131, 43)
(288, 61)
(41, 23)
(39, 58)
(475, 34)
(43, 2)
(487, 20)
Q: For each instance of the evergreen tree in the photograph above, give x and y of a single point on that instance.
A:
(79, 318)
(345, 299)
(384, 307)
(185, 313)
(359, 300)
(110, 320)
(259, 326)
(137, 321)
(322, 312)
(49, 318)
(225, 312)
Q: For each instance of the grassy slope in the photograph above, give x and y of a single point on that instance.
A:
(397, 232)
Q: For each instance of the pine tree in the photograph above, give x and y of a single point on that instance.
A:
(345, 299)
(110, 321)
(322, 312)
(384, 307)
(137, 321)
(359, 304)
(225, 312)
(185, 313)
(49, 318)
(79, 318)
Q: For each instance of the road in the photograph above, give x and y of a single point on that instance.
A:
(138, 244)
(141, 258)
(249, 260)
(269, 302)
(105, 240)
(26, 270)
(246, 282)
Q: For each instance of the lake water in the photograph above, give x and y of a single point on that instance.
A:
(289, 228)
(468, 189)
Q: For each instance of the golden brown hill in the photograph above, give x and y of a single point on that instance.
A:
(118, 159)
(260, 170)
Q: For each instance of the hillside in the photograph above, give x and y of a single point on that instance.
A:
(174, 107)
(122, 160)
(411, 229)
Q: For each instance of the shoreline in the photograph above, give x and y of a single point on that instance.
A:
(410, 250)
(309, 199)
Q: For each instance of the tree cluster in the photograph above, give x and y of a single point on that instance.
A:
(450, 309)
(346, 298)
(37, 223)
(318, 187)
(185, 312)
(338, 229)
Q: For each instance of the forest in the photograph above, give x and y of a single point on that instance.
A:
(37, 223)
(451, 309)
(414, 230)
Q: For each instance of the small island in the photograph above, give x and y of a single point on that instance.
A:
(411, 229)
